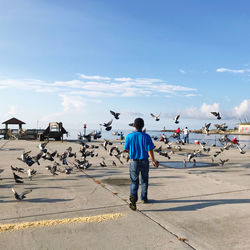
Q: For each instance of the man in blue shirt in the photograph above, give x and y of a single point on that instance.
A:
(140, 147)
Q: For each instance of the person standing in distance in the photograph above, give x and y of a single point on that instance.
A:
(140, 147)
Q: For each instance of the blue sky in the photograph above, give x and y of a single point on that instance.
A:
(73, 61)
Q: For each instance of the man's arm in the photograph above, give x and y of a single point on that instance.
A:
(151, 154)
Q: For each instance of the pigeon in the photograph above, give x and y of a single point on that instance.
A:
(221, 127)
(20, 170)
(53, 169)
(67, 170)
(176, 119)
(17, 178)
(222, 162)
(106, 143)
(31, 173)
(156, 117)
(241, 149)
(103, 164)
(112, 149)
(107, 125)
(178, 147)
(165, 153)
(217, 153)
(37, 158)
(116, 115)
(184, 163)
(206, 128)
(22, 195)
(216, 114)
(42, 146)
(192, 155)
(205, 149)
(158, 150)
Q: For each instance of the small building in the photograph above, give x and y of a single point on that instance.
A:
(244, 127)
(9, 133)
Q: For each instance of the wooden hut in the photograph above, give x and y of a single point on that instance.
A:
(12, 121)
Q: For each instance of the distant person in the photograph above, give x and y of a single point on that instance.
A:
(186, 135)
(140, 147)
(177, 132)
(121, 136)
(235, 141)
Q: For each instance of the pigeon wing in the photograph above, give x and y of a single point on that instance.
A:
(25, 192)
(109, 123)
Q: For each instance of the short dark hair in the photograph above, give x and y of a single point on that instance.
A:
(138, 123)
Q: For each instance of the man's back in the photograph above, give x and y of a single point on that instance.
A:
(138, 144)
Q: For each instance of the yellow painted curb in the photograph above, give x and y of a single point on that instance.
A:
(46, 223)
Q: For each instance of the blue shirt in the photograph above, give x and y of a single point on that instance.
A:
(138, 144)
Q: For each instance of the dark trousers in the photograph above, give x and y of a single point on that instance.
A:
(137, 167)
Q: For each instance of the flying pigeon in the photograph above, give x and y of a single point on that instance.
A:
(156, 117)
(20, 170)
(216, 114)
(17, 178)
(22, 195)
(222, 162)
(31, 173)
(116, 115)
(107, 125)
(206, 129)
(176, 119)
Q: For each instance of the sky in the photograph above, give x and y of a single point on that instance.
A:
(74, 61)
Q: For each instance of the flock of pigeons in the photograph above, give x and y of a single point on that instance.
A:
(225, 141)
(60, 163)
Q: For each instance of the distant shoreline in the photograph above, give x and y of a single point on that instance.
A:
(210, 132)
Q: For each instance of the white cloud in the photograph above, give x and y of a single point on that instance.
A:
(236, 71)
(97, 78)
(204, 112)
(243, 109)
(97, 86)
(71, 102)
(123, 79)
(182, 71)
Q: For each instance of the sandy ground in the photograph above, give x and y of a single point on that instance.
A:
(190, 208)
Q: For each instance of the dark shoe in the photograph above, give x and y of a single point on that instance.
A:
(132, 204)
(145, 201)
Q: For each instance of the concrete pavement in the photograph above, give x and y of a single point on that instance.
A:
(196, 208)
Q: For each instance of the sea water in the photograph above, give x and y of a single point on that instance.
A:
(208, 139)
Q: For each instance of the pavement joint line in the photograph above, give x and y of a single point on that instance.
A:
(46, 223)
(147, 216)
(163, 227)
(63, 212)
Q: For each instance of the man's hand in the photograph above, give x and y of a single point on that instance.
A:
(155, 163)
